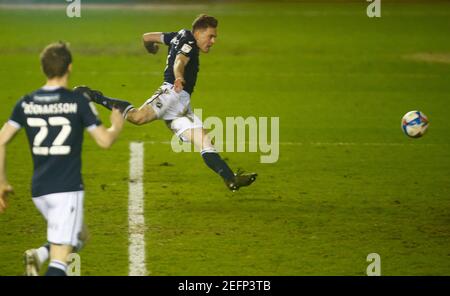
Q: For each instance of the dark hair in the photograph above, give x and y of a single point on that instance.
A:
(55, 59)
(204, 21)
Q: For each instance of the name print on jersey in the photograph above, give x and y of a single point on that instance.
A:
(49, 109)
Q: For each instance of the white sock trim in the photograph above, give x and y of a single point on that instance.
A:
(58, 264)
(208, 150)
(127, 109)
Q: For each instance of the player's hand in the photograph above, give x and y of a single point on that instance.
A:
(5, 190)
(155, 49)
(178, 85)
(117, 119)
(151, 47)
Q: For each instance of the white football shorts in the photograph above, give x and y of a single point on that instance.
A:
(175, 109)
(64, 215)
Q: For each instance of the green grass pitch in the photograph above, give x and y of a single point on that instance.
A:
(348, 184)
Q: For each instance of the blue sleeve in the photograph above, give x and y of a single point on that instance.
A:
(167, 37)
(17, 117)
(88, 113)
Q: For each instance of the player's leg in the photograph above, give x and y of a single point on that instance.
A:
(97, 96)
(145, 114)
(152, 109)
(58, 262)
(190, 128)
(35, 258)
(212, 159)
(156, 107)
(65, 215)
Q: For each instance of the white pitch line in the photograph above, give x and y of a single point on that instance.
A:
(136, 223)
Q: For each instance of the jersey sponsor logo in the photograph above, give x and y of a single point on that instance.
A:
(186, 48)
(49, 109)
(46, 98)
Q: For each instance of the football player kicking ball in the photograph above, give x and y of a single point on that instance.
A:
(171, 102)
(54, 119)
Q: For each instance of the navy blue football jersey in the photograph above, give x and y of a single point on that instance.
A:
(182, 42)
(54, 121)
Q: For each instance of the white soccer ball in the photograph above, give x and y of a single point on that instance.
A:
(414, 124)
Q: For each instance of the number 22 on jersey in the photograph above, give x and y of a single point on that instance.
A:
(58, 147)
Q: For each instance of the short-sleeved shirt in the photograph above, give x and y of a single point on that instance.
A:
(54, 120)
(182, 42)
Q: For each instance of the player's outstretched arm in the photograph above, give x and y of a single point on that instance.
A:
(6, 134)
(151, 41)
(106, 137)
(178, 70)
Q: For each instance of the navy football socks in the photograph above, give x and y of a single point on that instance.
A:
(218, 165)
(109, 103)
(56, 268)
